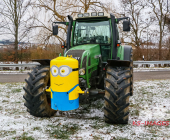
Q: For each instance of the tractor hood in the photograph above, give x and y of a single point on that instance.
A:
(85, 47)
(85, 54)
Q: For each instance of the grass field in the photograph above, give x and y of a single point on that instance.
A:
(151, 102)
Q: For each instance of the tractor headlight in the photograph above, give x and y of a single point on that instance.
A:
(82, 71)
(86, 14)
(94, 14)
(100, 13)
(80, 15)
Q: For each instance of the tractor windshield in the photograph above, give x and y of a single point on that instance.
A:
(95, 32)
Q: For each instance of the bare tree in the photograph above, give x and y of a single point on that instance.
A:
(58, 11)
(159, 8)
(168, 47)
(135, 9)
(85, 5)
(168, 40)
(168, 21)
(14, 20)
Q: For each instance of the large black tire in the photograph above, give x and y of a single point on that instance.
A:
(131, 72)
(37, 100)
(117, 92)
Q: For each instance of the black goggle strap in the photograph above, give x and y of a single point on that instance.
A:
(75, 69)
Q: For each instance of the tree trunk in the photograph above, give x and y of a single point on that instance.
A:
(16, 33)
(85, 10)
(16, 48)
(160, 44)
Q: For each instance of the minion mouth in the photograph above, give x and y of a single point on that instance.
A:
(58, 84)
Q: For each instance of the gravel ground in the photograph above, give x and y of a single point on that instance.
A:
(150, 102)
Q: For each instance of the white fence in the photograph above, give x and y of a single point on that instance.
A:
(165, 63)
(135, 63)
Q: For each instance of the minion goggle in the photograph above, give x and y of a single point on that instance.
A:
(62, 71)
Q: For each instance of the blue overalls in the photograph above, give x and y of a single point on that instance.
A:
(60, 101)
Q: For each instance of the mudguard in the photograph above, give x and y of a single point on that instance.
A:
(118, 63)
(127, 52)
(122, 63)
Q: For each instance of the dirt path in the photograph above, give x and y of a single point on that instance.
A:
(151, 75)
(4, 78)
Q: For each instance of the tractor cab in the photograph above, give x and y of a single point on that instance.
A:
(94, 28)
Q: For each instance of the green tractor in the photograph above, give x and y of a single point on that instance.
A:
(104, 68)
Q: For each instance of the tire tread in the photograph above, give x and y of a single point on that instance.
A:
(116, 98)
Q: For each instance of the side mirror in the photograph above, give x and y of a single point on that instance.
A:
(126, 25)
(55, 29)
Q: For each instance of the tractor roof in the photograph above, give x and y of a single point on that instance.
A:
(91, 15)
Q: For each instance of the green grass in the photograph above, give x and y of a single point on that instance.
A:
(37, 128)
(151, 87)
(63, 131)
(7, 96)
(16, 90)
(97, 138)
(144, 91)
(168, 120)
(97, 125)
(135, 106)
(18, 102)
(6, 133)
(121, 138)
(153, 130)
(135, 113)
(168, 111)
(15, 111)
(132, 105)
(167, 95)
(5, 101)
(23, 137)
(9, 86)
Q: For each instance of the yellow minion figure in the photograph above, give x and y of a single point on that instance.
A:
(64, 78)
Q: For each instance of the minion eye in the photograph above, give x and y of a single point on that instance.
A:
(64, 71)
(54, 71)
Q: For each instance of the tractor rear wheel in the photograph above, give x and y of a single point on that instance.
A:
(117, 92)
(37, 100)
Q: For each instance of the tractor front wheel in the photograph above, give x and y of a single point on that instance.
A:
(117, 92)
(37, 100)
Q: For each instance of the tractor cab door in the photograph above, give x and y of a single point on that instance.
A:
(105, 52)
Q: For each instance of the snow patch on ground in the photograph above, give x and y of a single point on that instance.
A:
(15, 72)
(150, 102)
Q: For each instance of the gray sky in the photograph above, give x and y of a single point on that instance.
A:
(42, 15)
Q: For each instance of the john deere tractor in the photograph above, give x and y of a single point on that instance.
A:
(94, 63)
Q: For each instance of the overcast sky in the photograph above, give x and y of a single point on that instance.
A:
(116, 3)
